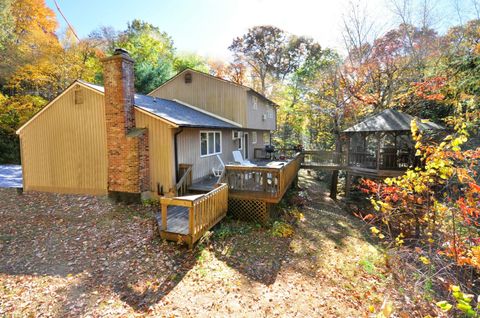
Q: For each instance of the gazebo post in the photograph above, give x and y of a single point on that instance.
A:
(395, 157)
(347, 150)
(379, 137)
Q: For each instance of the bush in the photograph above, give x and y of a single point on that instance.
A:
(14, 112)
(282, 229)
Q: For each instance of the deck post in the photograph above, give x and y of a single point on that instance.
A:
(191, 221)
(334, 185)
(164, 217)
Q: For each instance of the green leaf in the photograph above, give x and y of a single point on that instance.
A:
(463, 306)
(444, 305)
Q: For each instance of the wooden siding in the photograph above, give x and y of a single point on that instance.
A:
(255, 116)
(189, 150)
(161, 153)
(216, 96)
(64, 148)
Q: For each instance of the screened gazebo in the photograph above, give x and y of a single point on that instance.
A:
(383, 141)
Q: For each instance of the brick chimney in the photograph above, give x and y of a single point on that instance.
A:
(127, 146)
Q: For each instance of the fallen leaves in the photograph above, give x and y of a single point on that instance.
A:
(67, 255)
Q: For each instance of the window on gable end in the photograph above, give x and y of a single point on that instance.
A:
(79, 96)
(188, 78)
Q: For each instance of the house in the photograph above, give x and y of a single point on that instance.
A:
(108, 140)
(379, 146)
(99, 140)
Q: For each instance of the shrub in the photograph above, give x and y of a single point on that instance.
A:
(282, 229)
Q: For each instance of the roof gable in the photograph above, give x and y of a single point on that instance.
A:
(246, 88)
(86, 85)
(173, 112)
(391, 120)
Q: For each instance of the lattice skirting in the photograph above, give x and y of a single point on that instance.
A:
(249, 210)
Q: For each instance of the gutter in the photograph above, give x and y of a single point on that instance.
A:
(175, 150)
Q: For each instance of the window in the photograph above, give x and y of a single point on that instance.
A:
(254, 137)
(266, 138)
(270, 113)
(218, 142)
(188, 78)
(78, 96)
(255, 102)
(210, 143)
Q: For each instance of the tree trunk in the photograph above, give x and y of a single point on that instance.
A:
(338, 149)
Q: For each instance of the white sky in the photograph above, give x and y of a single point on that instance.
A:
(207, 27)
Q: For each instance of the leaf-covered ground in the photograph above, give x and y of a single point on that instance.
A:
(81, 256)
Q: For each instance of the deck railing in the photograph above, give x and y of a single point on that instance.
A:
(387, 160)
(323, 157)
(362, 160)
(267, 183)
(185, 170)
(262, 154)
(204, 211)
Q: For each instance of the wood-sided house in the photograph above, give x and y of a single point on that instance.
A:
(109, 140)
(82, 142)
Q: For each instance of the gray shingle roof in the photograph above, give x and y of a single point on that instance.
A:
(391, 120)
(178, 113)
(173, 111)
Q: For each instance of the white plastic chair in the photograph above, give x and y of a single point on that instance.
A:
(218, 172)
(237, 157)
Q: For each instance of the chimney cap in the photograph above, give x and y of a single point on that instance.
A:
(119, 51)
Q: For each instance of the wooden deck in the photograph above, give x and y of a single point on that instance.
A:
(267, 182)
(206, 184)
(187, 218)
(177, 219)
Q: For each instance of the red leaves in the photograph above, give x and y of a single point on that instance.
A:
(368, 186)
(430, 89)
(475, 187)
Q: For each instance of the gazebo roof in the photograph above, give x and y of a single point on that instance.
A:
(391, 120)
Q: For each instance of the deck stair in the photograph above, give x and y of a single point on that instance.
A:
(187, 218)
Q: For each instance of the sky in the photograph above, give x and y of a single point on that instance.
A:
(207, 27)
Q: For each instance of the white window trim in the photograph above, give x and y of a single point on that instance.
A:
(207, 132)
(254, 137)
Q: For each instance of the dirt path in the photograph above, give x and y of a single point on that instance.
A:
(79, 256)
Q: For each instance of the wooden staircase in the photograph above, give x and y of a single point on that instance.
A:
(186, 218)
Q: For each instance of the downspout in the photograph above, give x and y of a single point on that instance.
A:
(175, 150)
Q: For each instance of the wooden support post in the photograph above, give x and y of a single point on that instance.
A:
(191, 226)
(295, 182)
(191, 220)
(334, 185)
(348, 184)
(164, 217)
